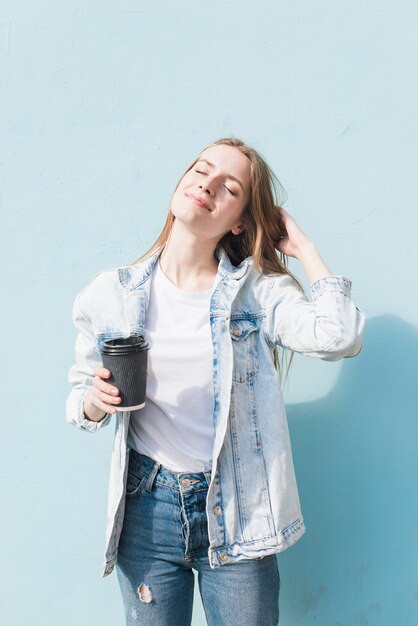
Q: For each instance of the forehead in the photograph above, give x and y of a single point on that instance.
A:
(229, 159)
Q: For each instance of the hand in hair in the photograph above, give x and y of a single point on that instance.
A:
(294, 238)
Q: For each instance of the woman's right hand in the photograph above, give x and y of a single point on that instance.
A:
(100, 399)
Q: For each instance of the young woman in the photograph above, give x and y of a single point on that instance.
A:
(202, 477)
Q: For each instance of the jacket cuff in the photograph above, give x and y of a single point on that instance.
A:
(336, 282)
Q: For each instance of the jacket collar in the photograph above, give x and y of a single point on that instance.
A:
(132, 276)
(225, 267)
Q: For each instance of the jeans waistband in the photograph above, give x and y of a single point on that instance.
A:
(152, 469)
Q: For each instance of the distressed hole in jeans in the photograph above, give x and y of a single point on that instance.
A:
(144, 593)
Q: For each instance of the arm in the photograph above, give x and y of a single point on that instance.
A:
(331, 326)
(311, 261)
(81, 373)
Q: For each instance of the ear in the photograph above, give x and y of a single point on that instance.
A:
(237, 230)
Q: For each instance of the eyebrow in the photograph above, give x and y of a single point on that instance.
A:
(229, 175)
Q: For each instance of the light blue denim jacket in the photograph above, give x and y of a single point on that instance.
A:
(253, 506)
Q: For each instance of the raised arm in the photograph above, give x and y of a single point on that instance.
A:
(331, 326)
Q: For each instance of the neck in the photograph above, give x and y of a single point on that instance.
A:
(187, 261)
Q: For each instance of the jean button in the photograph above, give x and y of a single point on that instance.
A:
(224, 556)
(217, 510)
(236, 331)
(185, 482)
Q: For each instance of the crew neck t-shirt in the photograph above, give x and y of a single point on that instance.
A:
(175, 427)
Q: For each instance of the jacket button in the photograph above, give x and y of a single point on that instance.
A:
(217, 510)
(224, 556)
(236, 331)
(185, 482)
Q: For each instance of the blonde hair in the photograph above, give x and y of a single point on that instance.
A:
(263, 226)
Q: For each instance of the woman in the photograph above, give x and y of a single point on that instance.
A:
(202, 476)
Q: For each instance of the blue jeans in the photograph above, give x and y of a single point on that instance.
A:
(164, 537)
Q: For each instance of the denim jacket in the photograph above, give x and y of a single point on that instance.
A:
(253, 506)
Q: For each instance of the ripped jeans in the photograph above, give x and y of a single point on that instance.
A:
(164, 537)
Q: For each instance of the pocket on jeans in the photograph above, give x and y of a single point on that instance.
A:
(134, 484)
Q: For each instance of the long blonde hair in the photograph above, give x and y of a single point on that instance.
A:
(263, 226)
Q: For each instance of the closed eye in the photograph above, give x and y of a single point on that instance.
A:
(231, 192)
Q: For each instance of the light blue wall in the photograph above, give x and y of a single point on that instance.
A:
(103, 104)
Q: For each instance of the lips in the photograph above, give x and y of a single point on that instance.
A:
(199, 200)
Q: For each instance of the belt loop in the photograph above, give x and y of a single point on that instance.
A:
(150, 480)
(208, 475)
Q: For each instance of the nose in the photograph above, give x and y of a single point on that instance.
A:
(207, 184)
(204, 187)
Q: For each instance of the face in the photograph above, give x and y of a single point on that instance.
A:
(211, 196)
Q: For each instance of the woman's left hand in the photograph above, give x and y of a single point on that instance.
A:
(294, 238)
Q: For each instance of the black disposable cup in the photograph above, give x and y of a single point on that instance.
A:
(127, 361)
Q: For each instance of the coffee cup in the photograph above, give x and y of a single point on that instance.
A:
(126, 359)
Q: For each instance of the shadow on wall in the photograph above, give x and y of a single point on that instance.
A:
(355, 456)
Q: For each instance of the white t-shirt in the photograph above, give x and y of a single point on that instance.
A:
(175, 427)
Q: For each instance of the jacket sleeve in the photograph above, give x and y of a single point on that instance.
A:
(329, 328)
(81, 373)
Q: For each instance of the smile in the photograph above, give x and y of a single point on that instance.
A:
(199, 201)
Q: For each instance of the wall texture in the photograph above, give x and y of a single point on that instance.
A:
(103, 104)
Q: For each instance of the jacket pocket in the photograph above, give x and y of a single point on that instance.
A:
(244, 334)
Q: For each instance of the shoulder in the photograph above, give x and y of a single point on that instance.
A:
(264, 286)
(102, 283)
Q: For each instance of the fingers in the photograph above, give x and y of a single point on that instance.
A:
(103, 406)
(281, 210)
(101, 371)
(104, 394)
